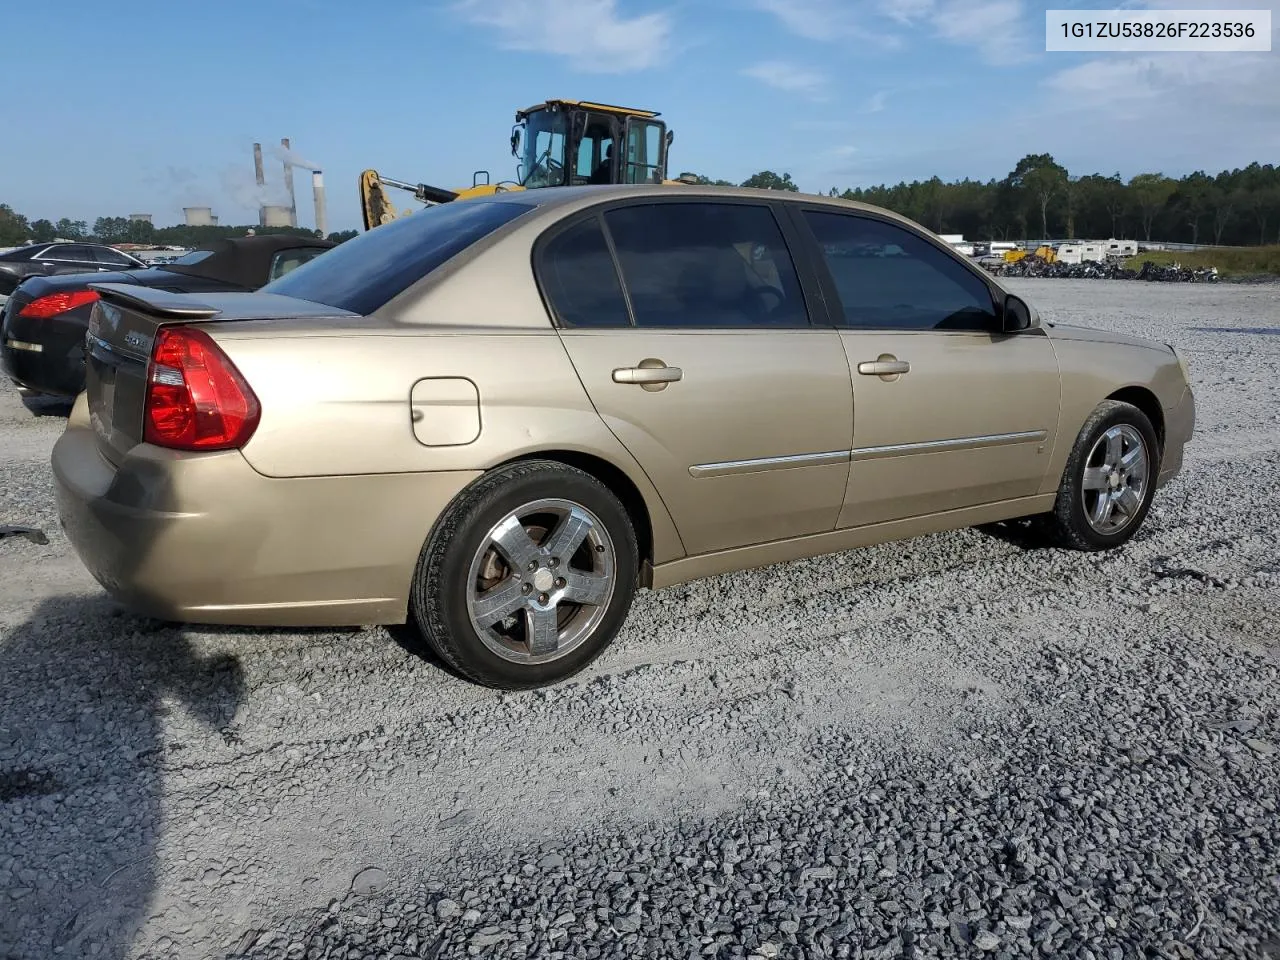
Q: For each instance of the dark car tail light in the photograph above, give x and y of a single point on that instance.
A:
(53, 304)
(196, 398)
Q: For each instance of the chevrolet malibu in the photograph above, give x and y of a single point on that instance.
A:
(498, 418)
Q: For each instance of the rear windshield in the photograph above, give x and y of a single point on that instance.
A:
(367, 271)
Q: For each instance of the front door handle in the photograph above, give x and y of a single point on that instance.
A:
(648, 372)
(883, 368)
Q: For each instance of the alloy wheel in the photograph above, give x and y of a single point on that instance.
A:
(1116, 474)
(541, 581)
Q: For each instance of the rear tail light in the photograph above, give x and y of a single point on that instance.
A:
(196, 398)
(42, 308)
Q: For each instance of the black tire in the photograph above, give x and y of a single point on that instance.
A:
(438, 598)
(1068, 526)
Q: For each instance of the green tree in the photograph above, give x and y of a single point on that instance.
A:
(139, 231)
(1033, 183)
(1193, 201)
(768, 180)
(1043, 183)
(1263, 203)
(69, 229)
(111, 229)
(13, 227)
(342, 236)
(1150, 193)
(42, 231)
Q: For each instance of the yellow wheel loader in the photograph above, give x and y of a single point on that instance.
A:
(558, 143)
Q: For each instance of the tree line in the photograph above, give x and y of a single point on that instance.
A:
(1038, 199)
(15, 229)
(1041, 199)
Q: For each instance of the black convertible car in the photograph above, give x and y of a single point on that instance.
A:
(43, 324)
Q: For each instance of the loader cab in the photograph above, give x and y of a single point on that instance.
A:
(567, 143)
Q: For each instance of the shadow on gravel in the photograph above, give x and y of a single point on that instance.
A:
(42, 406)
(84, 690)
(1023, 533)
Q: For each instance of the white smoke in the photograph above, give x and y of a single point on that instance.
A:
(292, 158)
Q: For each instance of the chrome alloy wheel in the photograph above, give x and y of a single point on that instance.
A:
(1116, 475)
(541, 581)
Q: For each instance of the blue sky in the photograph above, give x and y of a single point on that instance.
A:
(150, 106)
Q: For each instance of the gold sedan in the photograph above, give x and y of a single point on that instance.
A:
(497, 418)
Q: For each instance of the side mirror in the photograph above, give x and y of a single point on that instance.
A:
(1018, 316)
(515, 141)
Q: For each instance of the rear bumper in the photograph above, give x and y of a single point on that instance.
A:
(44, 355)
(206, 539)
(1179, 427)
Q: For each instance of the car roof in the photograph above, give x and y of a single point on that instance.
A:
(243, 261)
(563, 199)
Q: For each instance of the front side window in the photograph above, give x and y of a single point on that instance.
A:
(580, 280)
(365, 272)
(706, 265)
(545, 136)
(888, 277)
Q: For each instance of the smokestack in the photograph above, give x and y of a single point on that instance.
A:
(317, 187)
(261, 180)
(288, 184)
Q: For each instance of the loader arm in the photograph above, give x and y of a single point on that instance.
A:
(376, 205)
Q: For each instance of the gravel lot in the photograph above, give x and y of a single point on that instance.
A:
(953, 746)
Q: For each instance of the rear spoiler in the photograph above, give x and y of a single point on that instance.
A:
(162, 304)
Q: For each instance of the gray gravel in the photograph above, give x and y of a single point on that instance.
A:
(950, 746)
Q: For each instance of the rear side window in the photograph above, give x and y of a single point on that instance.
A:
(287, 261)
(580, 280)
(115, 259)
(367, 271)
(890, 278)
(706, 265)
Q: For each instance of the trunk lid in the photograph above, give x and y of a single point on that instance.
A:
(122, 331)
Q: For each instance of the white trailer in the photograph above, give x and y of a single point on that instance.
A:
(1084, 252)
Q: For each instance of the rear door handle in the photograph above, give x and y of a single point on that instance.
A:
(883, 368)
(643, 375)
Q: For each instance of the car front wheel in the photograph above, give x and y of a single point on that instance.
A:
(1109, 480)
(527, 575)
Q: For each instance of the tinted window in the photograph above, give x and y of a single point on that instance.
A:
(87, 254)
(79, 253)
(367, 271)
(706, 265)
(889, 277)
(579, 278)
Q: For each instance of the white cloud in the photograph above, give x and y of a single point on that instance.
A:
(830, 20)
(788, 77)
(996, 28)
(876, 102)
(905, 11)
(590, 34)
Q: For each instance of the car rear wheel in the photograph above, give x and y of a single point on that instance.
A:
(527, 576)
(1109, 480)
